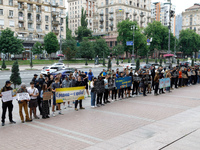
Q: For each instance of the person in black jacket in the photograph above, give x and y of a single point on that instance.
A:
(153, 75)
(79, 83)
(7, 104)
(34, 78)
(37, 85)
(100, 90)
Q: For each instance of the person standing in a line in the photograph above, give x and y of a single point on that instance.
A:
(105, 98)
(7, 104)
(79, 83)
(23, 103)
(34, 78)
(45, 103)
(33, 92)
(65, 84)
(93, 92)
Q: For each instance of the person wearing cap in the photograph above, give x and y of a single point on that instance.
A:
(23, 104)
(7, 104)
(34, 78)
(34, 93)
(65, 84)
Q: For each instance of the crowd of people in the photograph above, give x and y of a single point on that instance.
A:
(102, 89)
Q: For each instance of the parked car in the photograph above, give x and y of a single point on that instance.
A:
(185, 64)
(50, 69)
(63, 72)
(59, 65)
(168, 65)
(146, 66)
(156, 65)
(130, 66)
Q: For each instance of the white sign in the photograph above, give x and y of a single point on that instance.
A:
(23, 96)
(148, 44)
(7, 96)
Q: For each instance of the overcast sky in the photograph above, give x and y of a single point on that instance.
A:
(181, 5)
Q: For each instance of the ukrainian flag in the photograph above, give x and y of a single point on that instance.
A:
(120, 10)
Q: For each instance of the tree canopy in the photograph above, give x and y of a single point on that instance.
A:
(51, 43)
(9, 43)
(37, 48)
(86, 49)
(100, 46)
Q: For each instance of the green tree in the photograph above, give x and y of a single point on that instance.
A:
(118, 50)
(31, 61)
(15, 76)
(3, 66)
(147, 60)
(160, 61)
(69, 48)
(117, 61)
(178, 62)
(83, 31)
(109, 63)
(192, 63)
(100, 46)
(51, 43)
(37, 48)
(86, 49)
(156, 60)
(137, 65)
(126, 34)
(9, 43)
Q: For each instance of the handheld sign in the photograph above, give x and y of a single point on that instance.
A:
(7, 96)
(47, 96)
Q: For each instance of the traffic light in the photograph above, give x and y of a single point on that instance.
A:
(172, 13)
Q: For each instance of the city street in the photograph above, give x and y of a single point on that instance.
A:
(169, 121)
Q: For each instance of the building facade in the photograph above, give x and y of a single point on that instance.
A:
(160, 12)
(104, 15)
(32, 19)
(191, 18)
(178, 25)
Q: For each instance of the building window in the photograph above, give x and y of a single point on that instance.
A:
(10, 13)
(46, 1)
(61, 11)
(46, 27)
(61, 2)
(11, 23)
(38, 26)
(1, 22)
(61, 20)
(1, 2)
(46, 18)
(1, 11)
(30, 25)
(111, 44)
(61, 29)
(46, 8)
(10, 2)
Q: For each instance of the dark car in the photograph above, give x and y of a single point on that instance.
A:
(63, 72)
(185, 64)
(146, 66)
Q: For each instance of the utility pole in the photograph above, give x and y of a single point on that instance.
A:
(60, 34)
(133, 28)
(175, 47)
(169, 28)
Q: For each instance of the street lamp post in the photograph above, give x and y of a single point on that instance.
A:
(133, 28)
(169, 28)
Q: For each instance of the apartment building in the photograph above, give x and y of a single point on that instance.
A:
(32, 19)
(178, 25)
(191, 18)
(160, 12)
(104, 15)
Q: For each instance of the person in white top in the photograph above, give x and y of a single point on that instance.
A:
(33, 92)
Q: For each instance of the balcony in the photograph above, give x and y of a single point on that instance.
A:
(111, 18)
(101, 13)
(30, 10)
(30, 29)
(30, 20)
(21, 9)
(148, 16)
(101, 26)
(55, 23)
(111, 25)
(55, 13)
(21, 19)
(141, 21)
(38, 11)
(54, 4)
(111, 12)
(135, 14)
(39, 30)
(21, 28)
(101, 20)
(39, 21)
(141, 15)
(38, 1)
(10, 17)
(127, 12)
(56, 32)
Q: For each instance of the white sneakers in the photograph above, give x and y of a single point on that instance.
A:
(54, 114)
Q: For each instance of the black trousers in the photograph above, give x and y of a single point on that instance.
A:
(6, 105)
(121, 93)
(105, 97)
(76, 103)
(144, 89)
(39, 105)
(135, 88)
(172, 82)
(114, 93)
(156, 88)
(45, 108)
(99, 98)
(180, 80)
(153, 84)
(176, 81)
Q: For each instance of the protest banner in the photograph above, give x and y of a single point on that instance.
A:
(123, 82)
(47, 95)
(23, 96)
(165, 82)
(69, 94)
(7, 96)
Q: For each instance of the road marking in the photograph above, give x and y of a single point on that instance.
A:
(61, 134)
(62, 129)
(124, 115)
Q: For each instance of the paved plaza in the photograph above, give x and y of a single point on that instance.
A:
(169, 121)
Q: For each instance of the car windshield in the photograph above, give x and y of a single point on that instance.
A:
(45, 67)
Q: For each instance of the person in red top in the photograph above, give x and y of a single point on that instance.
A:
(180, 78)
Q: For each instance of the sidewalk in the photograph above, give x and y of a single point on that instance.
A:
(169, 121)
